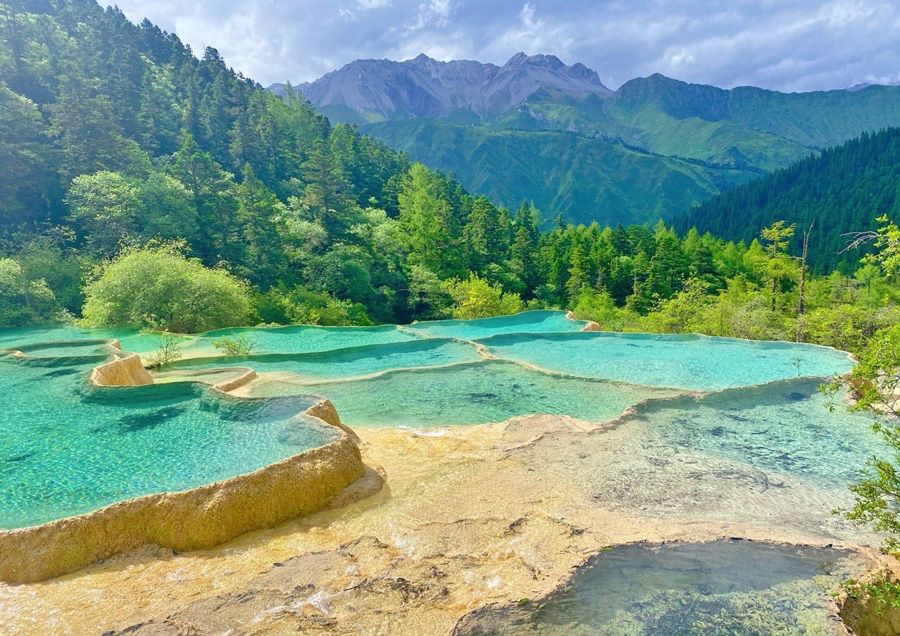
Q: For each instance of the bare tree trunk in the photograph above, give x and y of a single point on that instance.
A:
(801, 303)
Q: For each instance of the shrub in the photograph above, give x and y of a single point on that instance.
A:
(159, 288)
(477, 298)
(303, 306)
(168, 350)
(241, 345)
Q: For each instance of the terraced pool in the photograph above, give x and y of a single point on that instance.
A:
(722, 587)
(702, 417)
(67, 448)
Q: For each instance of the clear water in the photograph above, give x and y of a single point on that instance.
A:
(308, 338)
(687, 362)
(723, 587)
(350, 362)
(525, 322)
(67, 448)
(478, 393)
(787, 428)
(129, 339)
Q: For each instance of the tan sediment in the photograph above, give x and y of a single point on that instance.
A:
(127, 371)
(230, 385)
(193, 519)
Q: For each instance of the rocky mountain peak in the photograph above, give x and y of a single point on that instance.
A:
(425, 87)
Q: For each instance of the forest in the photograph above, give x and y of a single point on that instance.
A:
(836, 192)
(127, 146)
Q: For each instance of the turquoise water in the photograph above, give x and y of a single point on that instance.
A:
(689, 362)
(525, 322)
(67, 448)
(130, 339)
(787, 428)
(308, 338)
(477, 393)
(723, 587)
(350, 362)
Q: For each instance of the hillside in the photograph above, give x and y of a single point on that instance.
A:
(560, 170)
(730, 136)
(839, 191)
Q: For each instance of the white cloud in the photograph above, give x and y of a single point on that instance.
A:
(780, 44)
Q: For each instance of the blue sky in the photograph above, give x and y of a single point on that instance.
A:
(790, 45)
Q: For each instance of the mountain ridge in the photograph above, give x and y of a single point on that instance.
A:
(381, 89)
(651, 149)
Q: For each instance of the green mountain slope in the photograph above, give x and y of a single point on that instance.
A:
(582, 178)
(634, 155)
(841, 190)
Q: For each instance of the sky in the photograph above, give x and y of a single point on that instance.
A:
(788, 45)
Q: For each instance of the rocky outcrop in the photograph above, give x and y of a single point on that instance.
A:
(866, 615)
(127, 371)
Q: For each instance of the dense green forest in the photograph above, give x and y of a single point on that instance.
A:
(837, 192)
(142, 175)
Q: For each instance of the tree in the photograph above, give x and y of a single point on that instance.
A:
(105, 206)
(779, 266)
(23, 302)
(161, 289)
(431, 227)
(25, 181)
(165, 209)
(875, 382)
(87, 135)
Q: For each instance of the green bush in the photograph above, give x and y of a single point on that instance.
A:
(161, 289)
(303, 306)
(23, 301)
(241, 345)
(477, 298)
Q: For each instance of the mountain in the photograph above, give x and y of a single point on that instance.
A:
(366, 91)
(559, 171)
(636, 154)
(839, 191)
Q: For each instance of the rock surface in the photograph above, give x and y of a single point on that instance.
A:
(423, 87)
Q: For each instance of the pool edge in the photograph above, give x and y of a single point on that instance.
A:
(192, 519)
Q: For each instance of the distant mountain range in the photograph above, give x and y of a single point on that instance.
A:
(536, 128)
(367, 91)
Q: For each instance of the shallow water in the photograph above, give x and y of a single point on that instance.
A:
(349, 362)
(479, 393)
(722, 587)
(788, 427)
(688, 362)
(525, 322)
(67, 448)
(307, 338)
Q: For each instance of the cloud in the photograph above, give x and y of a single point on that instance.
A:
(779, 44)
